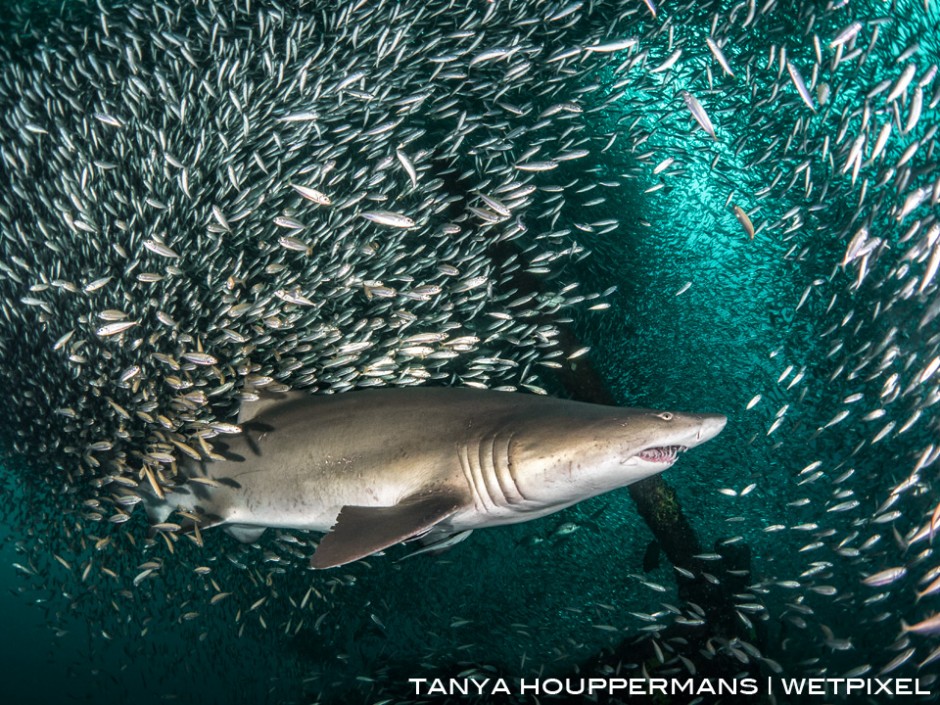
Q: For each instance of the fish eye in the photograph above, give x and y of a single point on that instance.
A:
(665, 416)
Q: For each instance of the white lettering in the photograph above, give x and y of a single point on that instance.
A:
(500, 687)
(480, 685)
(528, 687)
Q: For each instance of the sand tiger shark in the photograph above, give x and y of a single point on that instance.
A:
(375, 468)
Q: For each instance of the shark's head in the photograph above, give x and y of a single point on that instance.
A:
(561, 460)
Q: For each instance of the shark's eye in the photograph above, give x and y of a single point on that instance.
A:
(665, 416)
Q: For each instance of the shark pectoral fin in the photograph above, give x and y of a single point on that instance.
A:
(244, 532)
(361, 531)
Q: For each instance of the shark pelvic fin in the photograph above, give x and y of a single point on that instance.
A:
(244, 532)
(361, 531)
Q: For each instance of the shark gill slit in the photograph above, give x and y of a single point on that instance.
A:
(474, 481)
(502, 465)
(486, 452)
(500, 484)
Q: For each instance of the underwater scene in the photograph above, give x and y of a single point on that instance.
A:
(497, 351)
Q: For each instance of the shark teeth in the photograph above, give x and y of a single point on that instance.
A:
(660, 454)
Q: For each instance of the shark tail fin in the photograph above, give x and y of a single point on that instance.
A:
(158, 509)
(161, 500)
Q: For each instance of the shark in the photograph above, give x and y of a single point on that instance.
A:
(378, 467)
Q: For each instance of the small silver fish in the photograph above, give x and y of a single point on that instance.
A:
(800, 85)
(885, 577)
(698, 112)
(115, 328)
(392, 220)
(311, 194)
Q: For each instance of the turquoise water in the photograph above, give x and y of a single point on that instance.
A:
(560, 594)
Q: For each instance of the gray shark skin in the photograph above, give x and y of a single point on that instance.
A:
(374, 468)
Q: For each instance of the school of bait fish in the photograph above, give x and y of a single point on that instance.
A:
(200, 201)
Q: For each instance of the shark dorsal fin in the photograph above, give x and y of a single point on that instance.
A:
(361, 531)
(252, 409)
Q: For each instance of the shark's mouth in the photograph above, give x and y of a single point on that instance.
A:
(661, 454)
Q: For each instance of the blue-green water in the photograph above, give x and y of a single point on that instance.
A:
(527, 599)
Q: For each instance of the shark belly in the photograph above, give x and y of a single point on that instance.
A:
(470, 519)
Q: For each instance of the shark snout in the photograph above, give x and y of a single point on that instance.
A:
(710, 427)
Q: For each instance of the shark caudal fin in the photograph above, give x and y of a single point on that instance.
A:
(158, 506)
(173, 512)
(185, 497)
